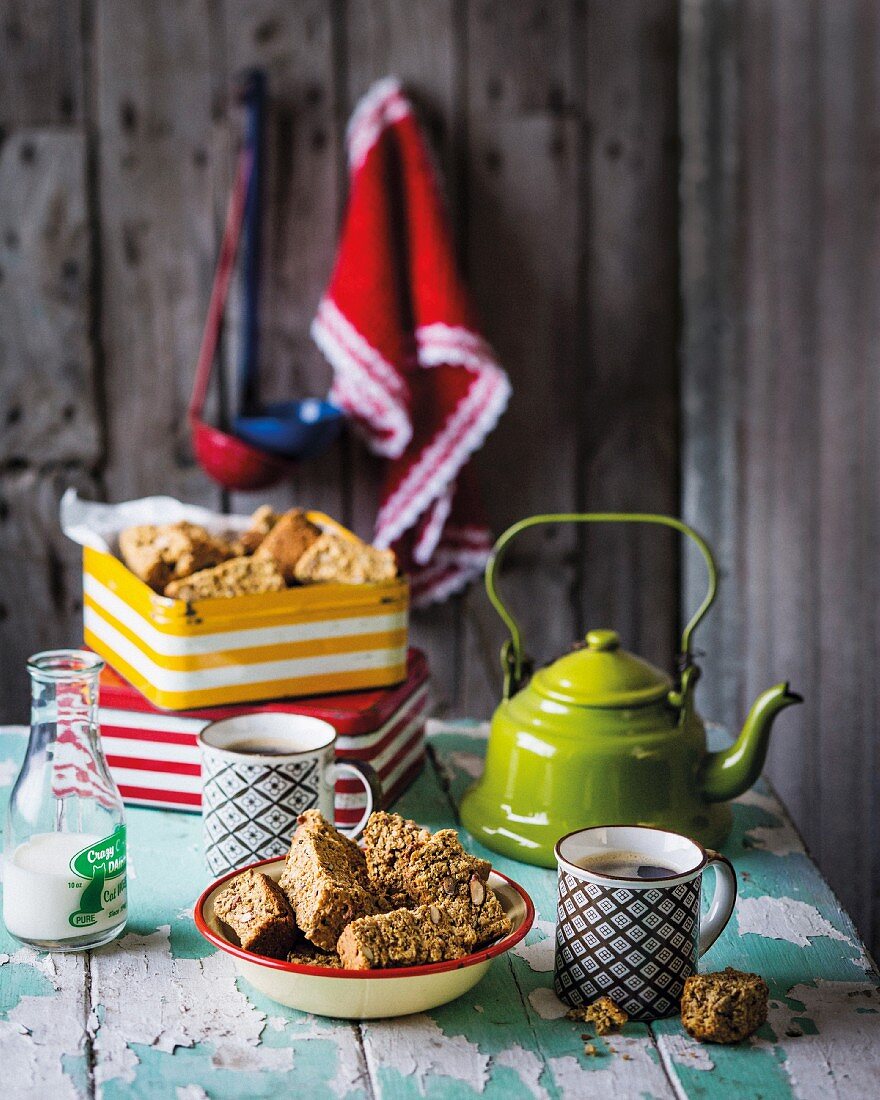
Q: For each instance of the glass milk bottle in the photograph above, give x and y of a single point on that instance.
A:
(64, 851)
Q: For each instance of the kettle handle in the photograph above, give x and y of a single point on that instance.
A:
(512, 652)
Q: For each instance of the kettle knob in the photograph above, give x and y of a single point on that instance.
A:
(603, 641)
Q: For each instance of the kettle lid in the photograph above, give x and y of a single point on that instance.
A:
(601, 674)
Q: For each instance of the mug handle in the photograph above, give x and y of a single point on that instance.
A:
(372, 788)
(723, 901)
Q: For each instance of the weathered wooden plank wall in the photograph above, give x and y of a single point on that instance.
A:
(554, 125)
(560, 128)
(781, 289)
(49, 398)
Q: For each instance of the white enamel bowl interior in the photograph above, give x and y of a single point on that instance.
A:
(367, 996)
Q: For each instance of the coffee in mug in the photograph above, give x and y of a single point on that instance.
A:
(628, 916)
(255, 746)
(621, 864)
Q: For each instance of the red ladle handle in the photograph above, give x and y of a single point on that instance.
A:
(220, 287)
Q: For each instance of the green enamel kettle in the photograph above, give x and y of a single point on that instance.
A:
(602, 737)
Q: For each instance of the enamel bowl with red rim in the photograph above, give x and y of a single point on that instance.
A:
(363, 994)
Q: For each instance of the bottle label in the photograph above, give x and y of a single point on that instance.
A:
(103, 866)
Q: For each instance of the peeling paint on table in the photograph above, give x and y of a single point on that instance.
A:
(784, 919)
(159, 1014)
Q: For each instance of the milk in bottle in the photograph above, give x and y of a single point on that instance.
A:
(64, 883)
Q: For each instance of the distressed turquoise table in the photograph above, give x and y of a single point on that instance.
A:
(157, 1014)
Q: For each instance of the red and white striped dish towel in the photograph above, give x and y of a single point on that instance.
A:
(410, 367)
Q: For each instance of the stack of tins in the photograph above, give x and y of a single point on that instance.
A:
(307, 640)
(154, 757)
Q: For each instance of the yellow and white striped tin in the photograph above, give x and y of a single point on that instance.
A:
(304, 641)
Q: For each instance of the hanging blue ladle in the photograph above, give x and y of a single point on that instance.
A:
(293, 429)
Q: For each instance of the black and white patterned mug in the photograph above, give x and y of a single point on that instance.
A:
(628, 916)
(259, 773)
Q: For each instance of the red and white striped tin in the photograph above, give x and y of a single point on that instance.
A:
(154, 757)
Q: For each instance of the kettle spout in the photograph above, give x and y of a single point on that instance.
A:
(727, 774)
